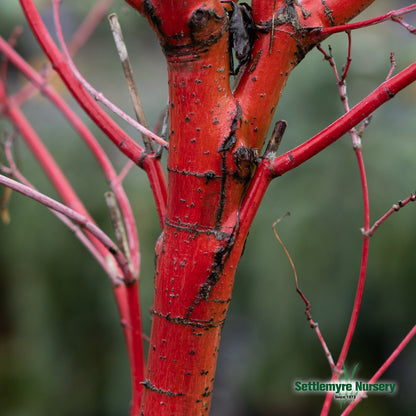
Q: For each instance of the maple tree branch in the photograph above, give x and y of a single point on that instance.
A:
(98, 95)
(126, 297)
(360, 286)
(129, 292)
(283, 38)
(394, 15)
(45, 159)
(14, 172)
(385, 92)
(119, 137)
(111, 129)
(68, 195)
(356, 142)
(395, 208)
(90, 141)
(80, 37)
(83, 221)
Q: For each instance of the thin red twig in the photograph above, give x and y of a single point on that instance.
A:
(395, 208)
(124, 295)
(400, 21)
(81, 220)
(360, 287)
(323, 139)
(356, 142)
(91, 142)
(392, 66)
(392, 15)
(98, 95)
(96, 14)
(14, 172)
(118, 136)
(45, 159)
(136, 352)
(382, 369)
(54, 173)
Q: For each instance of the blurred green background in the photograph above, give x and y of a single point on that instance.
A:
(61, 345)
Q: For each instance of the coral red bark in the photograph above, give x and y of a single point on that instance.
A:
(216, 134)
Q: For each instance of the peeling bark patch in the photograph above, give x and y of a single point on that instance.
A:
(256, 60)
(220, 301)
(285, 15)
(148, 385)
(328, 12)
(230, 141)
(300, 52)
(195, 323)
(214, 276)
(197, 229)
(220, 257)
(209, 175)
(305, 13)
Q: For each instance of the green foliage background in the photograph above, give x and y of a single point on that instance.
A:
(61, 345)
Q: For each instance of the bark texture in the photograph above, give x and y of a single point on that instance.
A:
(216, 134)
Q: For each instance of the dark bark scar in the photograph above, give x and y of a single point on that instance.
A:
(328, 12)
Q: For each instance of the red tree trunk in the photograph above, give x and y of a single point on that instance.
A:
(215, 136)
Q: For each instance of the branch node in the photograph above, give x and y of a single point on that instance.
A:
(366, 233)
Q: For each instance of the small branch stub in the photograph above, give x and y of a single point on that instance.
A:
(128, 73)
(275, 139)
